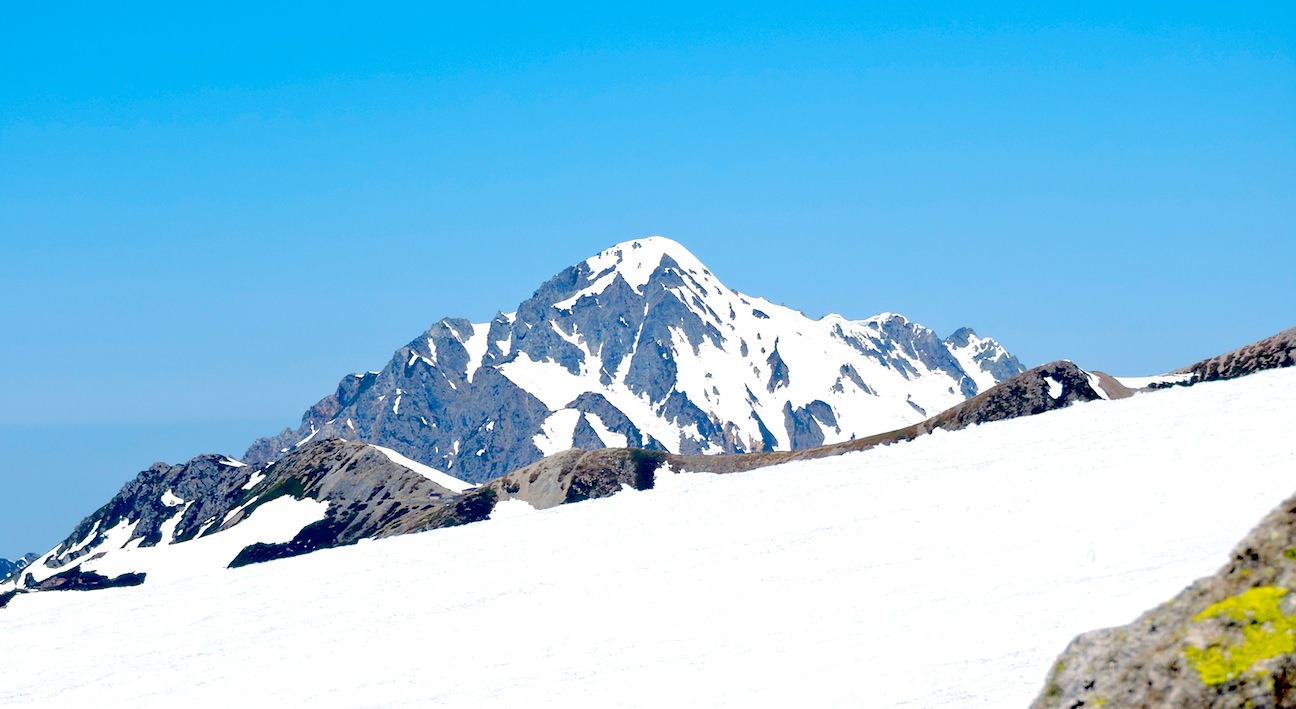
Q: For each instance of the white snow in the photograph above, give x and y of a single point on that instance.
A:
(170, 499)
(396, 403)
(511, 508)
(476, 344)
(719, 377)
(605, 434)
(556, 432)
(168, 528)
(255, 478)
(276, 521)
(448, 482)
(1096, 384)
(945, 572)
(305, 440)
(1054, 387)
(1140, 382)
(966, 357)
(112, 539)
(235, 463)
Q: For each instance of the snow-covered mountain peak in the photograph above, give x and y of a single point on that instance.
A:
(642, 345)
(636, 260)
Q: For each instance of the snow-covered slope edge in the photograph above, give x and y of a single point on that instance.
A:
(943, 572)
(642, 346)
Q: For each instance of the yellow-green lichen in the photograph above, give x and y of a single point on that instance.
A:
(1266, 633)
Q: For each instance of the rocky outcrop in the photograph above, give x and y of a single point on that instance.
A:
(576, 475)
(369, 496)
(1272, 352)
(1226, 642)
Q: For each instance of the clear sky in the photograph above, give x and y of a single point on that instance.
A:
(209, 216)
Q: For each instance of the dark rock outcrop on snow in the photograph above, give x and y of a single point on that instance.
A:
(1272, 352)
(1225, 642)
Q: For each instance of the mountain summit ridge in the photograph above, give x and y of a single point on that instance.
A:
(642, 345)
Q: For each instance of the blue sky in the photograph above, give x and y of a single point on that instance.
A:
(208, 216)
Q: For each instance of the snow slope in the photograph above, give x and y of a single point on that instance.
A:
(943, 572)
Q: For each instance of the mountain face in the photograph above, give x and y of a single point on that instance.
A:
(642, 346)
(7, 567)
(638, 347)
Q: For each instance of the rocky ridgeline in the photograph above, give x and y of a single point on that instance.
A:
(1273, 352)
(638, 347)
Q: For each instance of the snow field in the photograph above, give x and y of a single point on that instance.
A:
(945, 572)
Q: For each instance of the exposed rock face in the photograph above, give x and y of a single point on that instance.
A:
(1270, 353)
(642, 346)
(1226, 641)
(575, 475)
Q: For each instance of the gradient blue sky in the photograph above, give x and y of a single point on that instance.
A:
(208, 216)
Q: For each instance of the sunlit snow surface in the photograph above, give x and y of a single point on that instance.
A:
(946, 572)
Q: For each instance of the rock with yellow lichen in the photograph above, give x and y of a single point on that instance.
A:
(1227, 641)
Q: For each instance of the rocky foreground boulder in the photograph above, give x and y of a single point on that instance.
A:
(1226, 642)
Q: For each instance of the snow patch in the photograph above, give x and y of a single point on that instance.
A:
(511, 507)
(252, 482)
(1144, 382)
(448, 482)
(556, 432)
(476, 345)
(605, 434)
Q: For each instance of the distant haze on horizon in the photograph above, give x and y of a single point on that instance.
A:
(209, 220)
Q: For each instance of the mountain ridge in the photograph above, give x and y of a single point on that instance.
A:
(641, 345)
